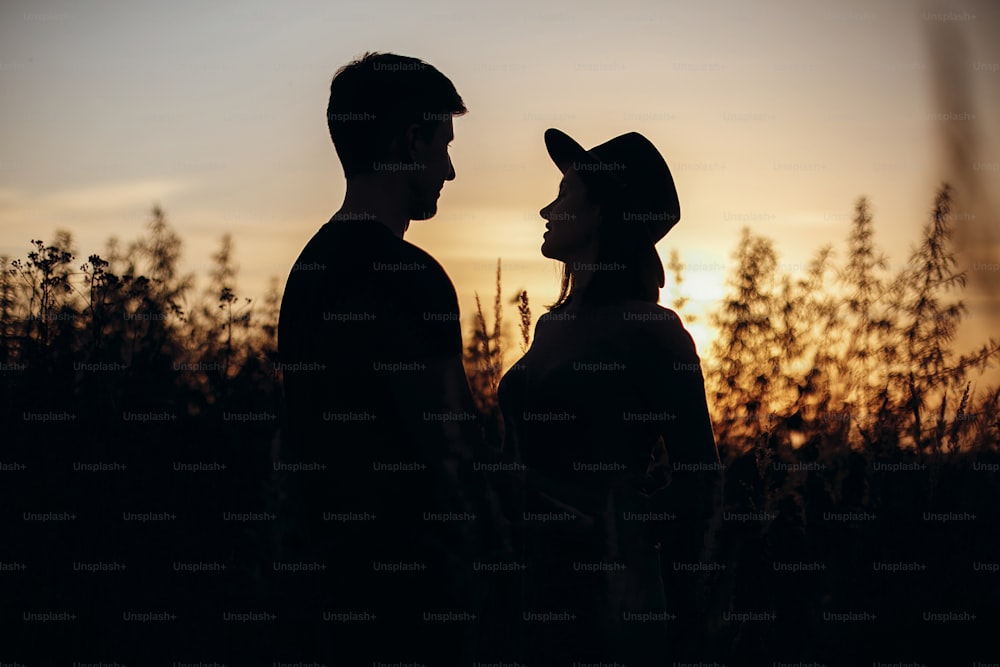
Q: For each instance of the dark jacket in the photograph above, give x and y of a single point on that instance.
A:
(607, 414)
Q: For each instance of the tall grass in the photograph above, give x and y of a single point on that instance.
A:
(811, 380)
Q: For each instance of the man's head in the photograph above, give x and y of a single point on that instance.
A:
(390, 114)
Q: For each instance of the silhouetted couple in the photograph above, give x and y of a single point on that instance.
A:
(428, 547)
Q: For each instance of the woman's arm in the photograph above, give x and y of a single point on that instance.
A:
(671, 381)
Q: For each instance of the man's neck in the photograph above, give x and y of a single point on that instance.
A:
(371, 197)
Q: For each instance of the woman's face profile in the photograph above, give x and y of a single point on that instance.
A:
(571, 234)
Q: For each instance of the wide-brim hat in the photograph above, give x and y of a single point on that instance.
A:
(630, 168)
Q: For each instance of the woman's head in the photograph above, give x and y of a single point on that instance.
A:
(615, 201)
(573, 219)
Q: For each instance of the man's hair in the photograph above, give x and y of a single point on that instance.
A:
(375, 98)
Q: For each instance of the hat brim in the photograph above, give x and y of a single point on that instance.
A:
(565, 151)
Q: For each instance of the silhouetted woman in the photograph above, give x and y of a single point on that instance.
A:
(606, 417)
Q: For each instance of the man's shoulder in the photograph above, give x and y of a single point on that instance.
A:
(349, 239)
(364, 266)
(419, 273)
(342, 249)
(416, 263)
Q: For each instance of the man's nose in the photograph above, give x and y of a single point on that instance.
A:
(451, 170)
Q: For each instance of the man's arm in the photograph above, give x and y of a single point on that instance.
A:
(440, 415)
(437, 408)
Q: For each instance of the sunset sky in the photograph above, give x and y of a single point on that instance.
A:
(776, 116)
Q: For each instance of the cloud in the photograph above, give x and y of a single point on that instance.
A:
(91, 213)
(67, 204)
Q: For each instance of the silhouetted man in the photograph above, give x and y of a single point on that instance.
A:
(379, 411)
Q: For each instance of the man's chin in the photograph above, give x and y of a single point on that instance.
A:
(423, 214)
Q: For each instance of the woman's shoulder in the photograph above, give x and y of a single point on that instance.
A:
(653, 312)
(653, 325)
(557, 314)
(631, 322)
(653, 315)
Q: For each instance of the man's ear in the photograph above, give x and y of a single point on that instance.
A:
(403, 146)
(412, 142)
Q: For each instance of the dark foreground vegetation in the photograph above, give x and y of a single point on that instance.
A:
(142, 472)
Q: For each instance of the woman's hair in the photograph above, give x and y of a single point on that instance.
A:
(628, 266)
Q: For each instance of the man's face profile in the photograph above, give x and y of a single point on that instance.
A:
(426, 183)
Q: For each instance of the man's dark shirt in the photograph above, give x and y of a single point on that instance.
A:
(378, 487)
(360, 304)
